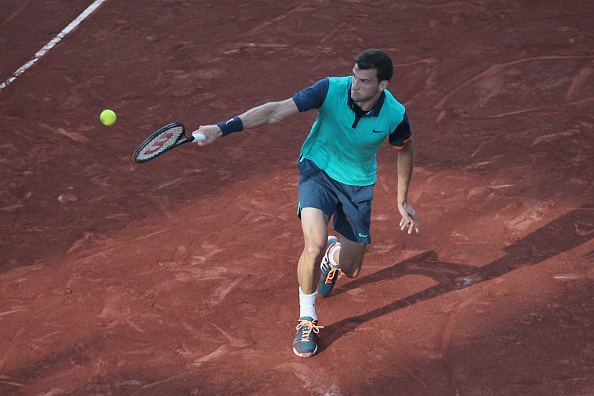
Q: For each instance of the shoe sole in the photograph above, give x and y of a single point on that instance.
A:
(305, 354)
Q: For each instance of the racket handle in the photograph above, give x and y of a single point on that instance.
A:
(198, 137)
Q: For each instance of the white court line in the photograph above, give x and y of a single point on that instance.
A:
(53, 42)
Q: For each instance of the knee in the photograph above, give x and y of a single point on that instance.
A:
(314, 249)
(351, 273)
(350, 266)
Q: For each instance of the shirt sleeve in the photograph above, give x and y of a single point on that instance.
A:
(401, 134)
(312, 97)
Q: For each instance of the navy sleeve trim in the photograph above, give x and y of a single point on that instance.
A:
(312, 97)
(401, 134)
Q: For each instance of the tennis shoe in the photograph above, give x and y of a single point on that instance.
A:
(330, 272)
(305, 342)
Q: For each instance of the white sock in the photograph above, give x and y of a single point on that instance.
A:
(307, 304)
(335, 249)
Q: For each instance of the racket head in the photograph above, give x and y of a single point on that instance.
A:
(159, 142)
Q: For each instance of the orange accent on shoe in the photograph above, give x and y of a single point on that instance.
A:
(332, 273)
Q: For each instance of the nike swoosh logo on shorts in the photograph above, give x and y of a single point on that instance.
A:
(363, 235)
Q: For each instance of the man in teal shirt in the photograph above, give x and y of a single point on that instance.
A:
(341, 127)
(338, 171)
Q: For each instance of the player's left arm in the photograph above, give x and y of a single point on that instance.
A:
(406, 159)
(401, 140)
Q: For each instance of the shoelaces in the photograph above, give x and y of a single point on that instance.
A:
(332, 273)
(311, 326)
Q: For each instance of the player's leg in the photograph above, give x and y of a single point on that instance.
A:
(349, 256)
(343, 256)
(316, 204)
(314, 224)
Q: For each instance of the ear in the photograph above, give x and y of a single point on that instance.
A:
(383, 85)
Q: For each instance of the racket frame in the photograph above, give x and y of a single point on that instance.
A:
(181, 139)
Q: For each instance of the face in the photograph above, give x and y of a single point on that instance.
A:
(366, 90)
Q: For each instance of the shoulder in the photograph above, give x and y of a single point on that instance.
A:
(339, 86)
(345, 81)
(312, 97)
(393, 105)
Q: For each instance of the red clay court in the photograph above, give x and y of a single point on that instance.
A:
(178, 276)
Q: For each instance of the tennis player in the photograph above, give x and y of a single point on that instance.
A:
(338, 166)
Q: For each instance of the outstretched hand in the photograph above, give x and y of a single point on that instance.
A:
(210, 132)
(409, 218)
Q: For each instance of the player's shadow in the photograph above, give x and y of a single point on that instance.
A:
(567, 232)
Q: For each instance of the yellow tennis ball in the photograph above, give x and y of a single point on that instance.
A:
(108, 117)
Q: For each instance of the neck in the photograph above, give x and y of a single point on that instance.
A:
(367, 104)
(370, 103)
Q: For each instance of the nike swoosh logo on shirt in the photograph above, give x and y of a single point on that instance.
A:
(375, 131)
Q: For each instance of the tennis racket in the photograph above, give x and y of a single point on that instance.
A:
(166, 138)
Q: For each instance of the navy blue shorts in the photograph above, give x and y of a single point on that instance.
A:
(350, 206)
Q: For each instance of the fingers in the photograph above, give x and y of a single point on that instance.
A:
(210, 132)
(407, 224)
(410, 224)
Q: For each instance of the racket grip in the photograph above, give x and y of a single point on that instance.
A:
(198, 137)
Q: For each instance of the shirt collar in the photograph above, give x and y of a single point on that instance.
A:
(374, 112)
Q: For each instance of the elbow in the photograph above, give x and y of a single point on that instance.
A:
(276, 114)
(407, 153)
(407, 147)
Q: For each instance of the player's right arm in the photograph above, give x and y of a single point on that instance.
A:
(268, 113)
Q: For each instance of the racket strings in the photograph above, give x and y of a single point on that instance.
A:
(160, 143)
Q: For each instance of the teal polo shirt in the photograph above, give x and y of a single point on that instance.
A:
(343, 140)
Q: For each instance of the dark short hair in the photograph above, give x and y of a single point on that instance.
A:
(376, 59)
